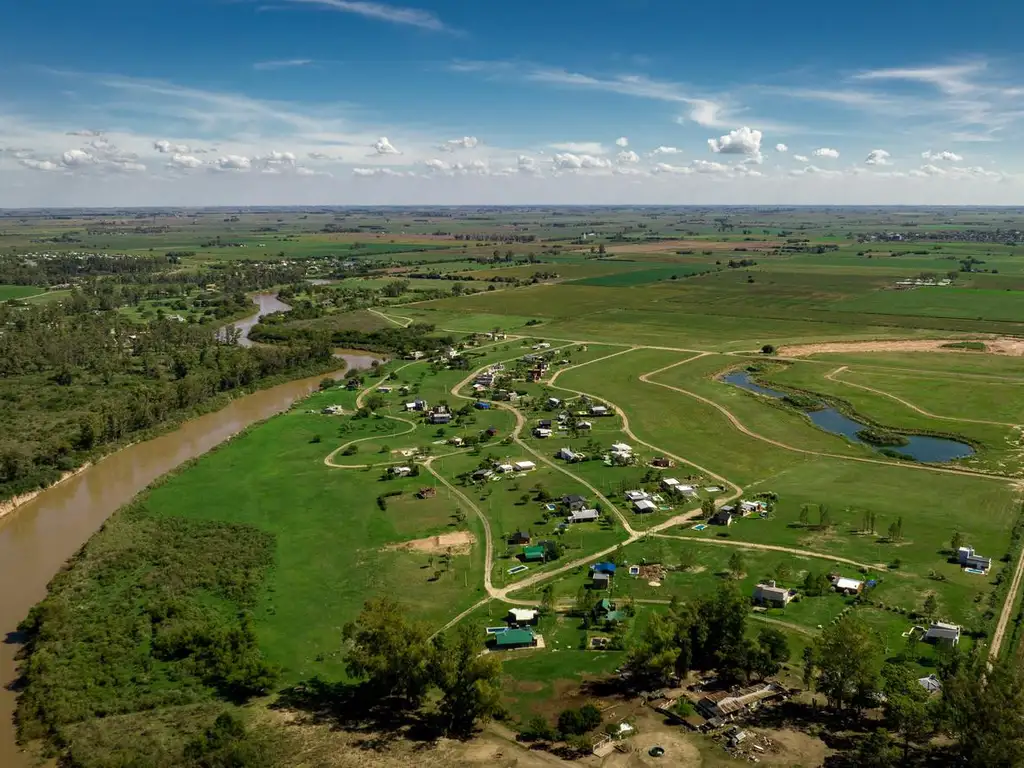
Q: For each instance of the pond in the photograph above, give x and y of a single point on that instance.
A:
(918, 447)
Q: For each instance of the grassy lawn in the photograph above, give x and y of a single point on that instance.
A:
(8, 292)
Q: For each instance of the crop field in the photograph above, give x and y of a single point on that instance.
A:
(432, 480)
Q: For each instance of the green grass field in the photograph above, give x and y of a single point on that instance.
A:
(8, 292)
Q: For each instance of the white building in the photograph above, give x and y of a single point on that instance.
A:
(524, 466)
(637, 495)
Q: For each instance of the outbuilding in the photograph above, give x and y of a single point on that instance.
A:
(644, 506)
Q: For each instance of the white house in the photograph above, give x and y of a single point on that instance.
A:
(622, 448)
(770, 594)
(637, 495)
(569, 455)
(583, 516)
(400, 471)
(942, 633)
(524, 466)
(752, 507)
(598, 410)
(554, 402)
(670, 484)
(504, 469)
(522, 616)
(541, 432)
(849, 586)
(643, 506)
(584, 425)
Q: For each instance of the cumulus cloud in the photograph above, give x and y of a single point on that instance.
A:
(466, 142)
(76, 158)
(627, 156)
(275, 162)
(622, 141)
(813, 170)
(165, 147)
(667, 151)
(233, 163)
(801, 158)
(828, 152)
(569, 161)
(474, 167)
(706, 166)
(526, 164)
(84, 133)
(183, 161)
(944, 156)
(877, 157)
(318, 156)
(38, 165)
(384, 147)
(781, 148)
(742, 141)
(369, 172)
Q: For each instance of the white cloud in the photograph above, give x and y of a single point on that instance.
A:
(570, 161)
(165, 147)
(813, 170)
(76, 158)
(466, 142)
(707, 114)
(706, 166)
(671, 169)
(184, 161)
(628, 156)
(368, 172)
(742, 141)
(828, 152)
(282, 64)
(945, 155)
(878, 157)
(667, 151)
(275, 159)
(384, 147)
(584, 147)
(233, 163)
(473, 167)
(622, 141)
(38, 165)
(953, 79)
(88, 133)
(781, 148)
(526, 164)
(318, 156)
(802, 158)
(394, 14)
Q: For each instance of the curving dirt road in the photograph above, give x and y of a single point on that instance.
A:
(771, 548)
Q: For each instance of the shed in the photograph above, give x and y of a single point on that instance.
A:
(644, 506)
(849, 586)
(519, 538)
(600, 581)
(605, 567)
(524, 466)
(483, 406)
(521, 616)
(533, 554)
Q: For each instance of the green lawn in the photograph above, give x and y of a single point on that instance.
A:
(8, 292)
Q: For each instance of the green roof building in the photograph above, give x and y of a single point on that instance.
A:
(533, 554)
(515, 638)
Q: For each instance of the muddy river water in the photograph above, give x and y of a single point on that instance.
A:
(39, 536)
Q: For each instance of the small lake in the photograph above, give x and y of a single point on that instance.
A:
(919, 447)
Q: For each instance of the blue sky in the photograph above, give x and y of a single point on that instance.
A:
(445, 101)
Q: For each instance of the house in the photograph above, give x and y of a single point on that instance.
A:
(485, 380)
(574, 502)
(584, 425)
(600, 581)
(771, 595)
(416, 405)
(520, 616)
(724, 516)
(524, 466)
(726, 705)
(544, 423)
(598, 410)
(384, 390)
(483, 406)
(400, 471)
(533, 554)
(541, 432)
(967, 557)
(440, 418)
(554, 402)
(670, 484)
(352, 385)
(481, 474)
(847, 586)
(622, 448)
(583, 516)
(333, 410)
(604, 611)
(456, 441)
(941, 633)
(661, 462)
(504, 469)
(416, 355)
(519, 538)
(511, 639)
(637, 495)
(932, 684)
(644, 506)
(752, 507)
(604, 567)
(569, 455)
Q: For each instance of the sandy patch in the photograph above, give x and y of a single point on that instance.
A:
(691, 245)
(999, 346)
(795, 748)
(678, 751)
(459, 542)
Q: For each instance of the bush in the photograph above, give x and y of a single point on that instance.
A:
(538, 728)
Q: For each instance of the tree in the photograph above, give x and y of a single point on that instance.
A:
(707, 508)
(824, 516)
(906, 705)
(547, 598)
(876, 750)
(930, 604)
(816, 584)
(388, 652)
(783, 572)
(768, 349)
(774, 641)
(956, 541)
(469, 682)
(983, 709)
(736, 564)
(652, 658)
(537, 728)
(844, 663)
(805, 514)
(894, 532)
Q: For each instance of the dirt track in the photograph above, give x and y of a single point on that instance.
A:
(692, 245)
(458, 542)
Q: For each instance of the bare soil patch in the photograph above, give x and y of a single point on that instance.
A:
(459, 542)
(1005, 345)
(692, 245)
(796, 748)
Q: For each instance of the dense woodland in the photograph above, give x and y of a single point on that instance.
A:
(77, 377)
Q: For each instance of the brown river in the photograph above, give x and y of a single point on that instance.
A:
(39, 536)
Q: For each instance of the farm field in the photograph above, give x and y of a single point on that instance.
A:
(432, 479)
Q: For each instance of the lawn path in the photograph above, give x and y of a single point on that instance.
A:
(833, 376)
(1011, 601)
(770, 548)
(757, 618)
(740, 426)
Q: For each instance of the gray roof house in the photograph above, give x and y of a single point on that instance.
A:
(968, 558)
(583, 516)
(769, 594)
(941, 633)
